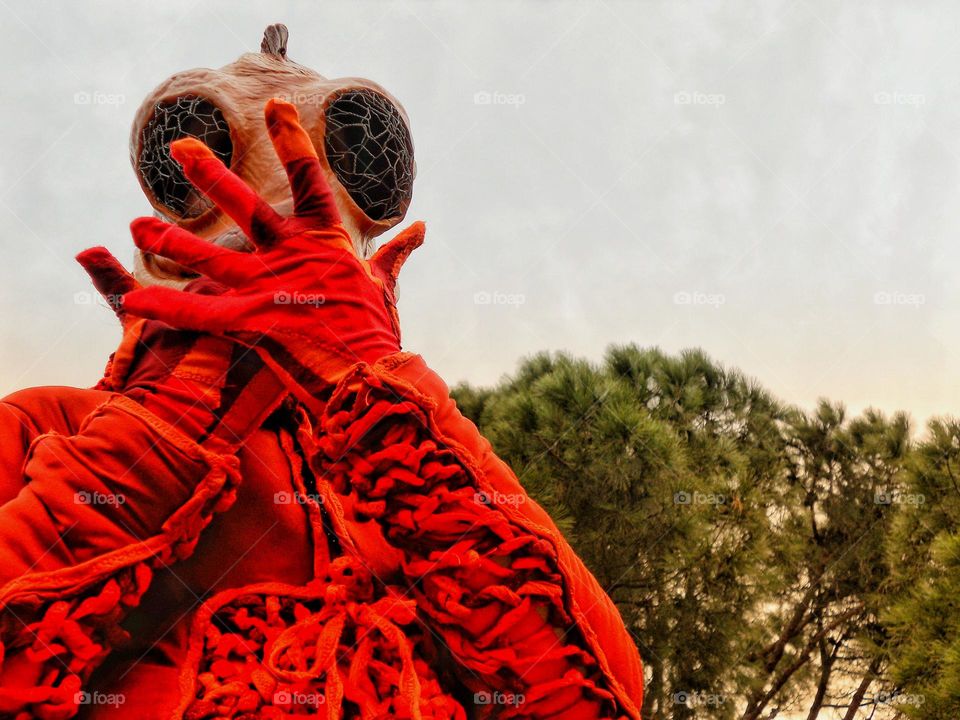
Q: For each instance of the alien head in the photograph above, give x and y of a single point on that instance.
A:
(360, 131)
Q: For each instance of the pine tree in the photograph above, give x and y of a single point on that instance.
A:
(742, 540)
(923, 647)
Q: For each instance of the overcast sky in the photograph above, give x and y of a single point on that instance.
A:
(775, 182)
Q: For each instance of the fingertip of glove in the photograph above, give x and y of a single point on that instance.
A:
(289, 138)
(279, 109)
(418, 230)
(145, 230)
(410, 238)
(93, 256)
(189, 149)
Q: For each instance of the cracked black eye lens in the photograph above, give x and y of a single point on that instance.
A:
(187, 116)
(369, 149)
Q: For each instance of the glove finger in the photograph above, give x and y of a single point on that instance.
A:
(184, 310)
(387, 261)
(109, 276)
(312, 197)
(256, 218)
(230, 267)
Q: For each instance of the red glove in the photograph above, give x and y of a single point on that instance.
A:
(191, 381)
(527, 623)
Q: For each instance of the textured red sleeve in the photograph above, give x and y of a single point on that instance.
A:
(28, 413)
(97, 511)
(529, 625)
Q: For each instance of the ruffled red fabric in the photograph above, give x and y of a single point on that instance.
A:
(69, 638)
(345, 646)
(491, 588)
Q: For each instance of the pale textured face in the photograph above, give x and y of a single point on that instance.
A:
(360, 131)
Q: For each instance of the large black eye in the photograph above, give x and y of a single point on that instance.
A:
(187, 116)
(369, 149)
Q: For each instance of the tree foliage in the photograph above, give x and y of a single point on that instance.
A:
(767, 560)
(923, 620)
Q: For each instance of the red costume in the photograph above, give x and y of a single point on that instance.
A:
(267, 509)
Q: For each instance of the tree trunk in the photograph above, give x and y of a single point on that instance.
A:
(862, 688)
(761, 699)
(654, 699)
(826, 668)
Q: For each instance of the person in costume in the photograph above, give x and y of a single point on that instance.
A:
(267, 508)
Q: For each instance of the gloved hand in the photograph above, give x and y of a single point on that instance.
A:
(185, 378)
(303, 298)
